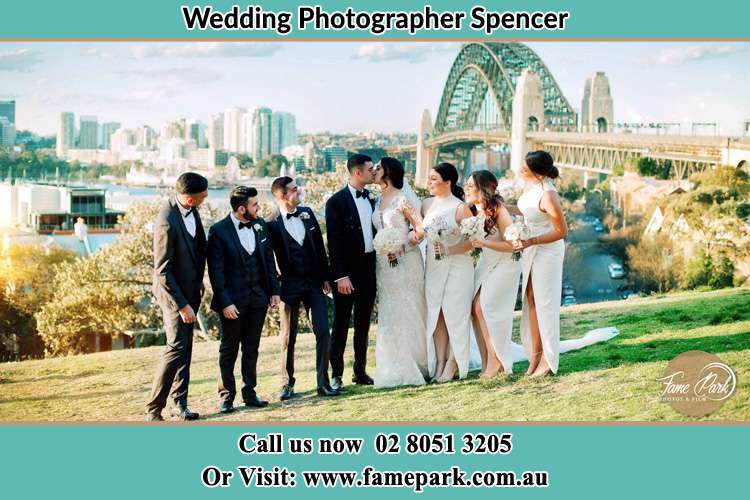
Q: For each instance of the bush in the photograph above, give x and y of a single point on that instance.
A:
(698, 271)
(654, 266)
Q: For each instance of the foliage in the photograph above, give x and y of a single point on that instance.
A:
(571, 192)
(38, 164)
(596, 203)
(648, 167)
(616, 242)
(318, 188)
(270, 166)
(654, 264)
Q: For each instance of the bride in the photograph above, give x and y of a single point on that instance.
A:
(400, 345)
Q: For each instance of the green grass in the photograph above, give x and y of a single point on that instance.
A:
(616, 380)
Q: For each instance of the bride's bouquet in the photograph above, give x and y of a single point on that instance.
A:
(471, 228)
(433, 231)
(389, 241)
(516, 232)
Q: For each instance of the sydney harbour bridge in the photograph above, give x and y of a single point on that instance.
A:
(502, 94)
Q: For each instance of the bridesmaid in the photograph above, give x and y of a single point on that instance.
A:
(542, 263)
(448, 278)
(496, 277)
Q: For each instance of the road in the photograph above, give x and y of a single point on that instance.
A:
(586, 267)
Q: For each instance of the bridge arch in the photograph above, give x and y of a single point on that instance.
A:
(601, 125)
(483, 76)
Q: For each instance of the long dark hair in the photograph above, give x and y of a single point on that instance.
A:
(486, 183)
(449, 173)
(393, 171)
(541, 163)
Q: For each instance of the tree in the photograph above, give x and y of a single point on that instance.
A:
(698, 271)
(571, 192)
(270, 166)
(654, 265)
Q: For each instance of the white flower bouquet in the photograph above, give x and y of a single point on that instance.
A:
(516, 232)
(471, 229)
(389, 241)
(433, 231)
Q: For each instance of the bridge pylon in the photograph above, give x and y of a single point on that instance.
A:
(425, 155)
(528, 113)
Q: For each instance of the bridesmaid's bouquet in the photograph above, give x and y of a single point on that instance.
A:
(516, 232)
(434, 230)
(471, 229)
(389, 241)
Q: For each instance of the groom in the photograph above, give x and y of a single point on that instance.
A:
(350, 235)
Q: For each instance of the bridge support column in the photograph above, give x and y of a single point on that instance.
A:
(528, 108)
(425, 155)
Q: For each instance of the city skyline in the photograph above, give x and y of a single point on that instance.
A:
(351, 87)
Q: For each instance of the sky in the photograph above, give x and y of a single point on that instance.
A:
(352, 87)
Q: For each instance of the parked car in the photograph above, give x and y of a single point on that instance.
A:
(616, 271)
(568, 291)
(598, 227)
(569, 301)
(630, 294)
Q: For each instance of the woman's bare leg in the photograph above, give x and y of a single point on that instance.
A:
(451, 367)
(491, 364)
(440, 337)
(536, 338)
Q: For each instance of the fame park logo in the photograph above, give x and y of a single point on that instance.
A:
(696, 383)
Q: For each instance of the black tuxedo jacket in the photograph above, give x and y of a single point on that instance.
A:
(346, 245)
(179, 259)
(226, 264)
(280, 239)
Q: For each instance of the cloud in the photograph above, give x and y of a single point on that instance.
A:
(412, 52)
(681, 55)
(181, 75)
(205, 49)
(96, 52)
(19, 60)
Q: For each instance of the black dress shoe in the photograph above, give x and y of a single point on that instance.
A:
(255, 402)
(327, 391)
(287, 392)
(226, 407)
(184, 413)
(363, 380)
(154, 417)
(337, 384)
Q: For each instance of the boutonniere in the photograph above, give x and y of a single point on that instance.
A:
(304, 216)
(258, 228)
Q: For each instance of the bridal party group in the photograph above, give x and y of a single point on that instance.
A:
(445, 272)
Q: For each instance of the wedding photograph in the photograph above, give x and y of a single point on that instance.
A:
(376, 231)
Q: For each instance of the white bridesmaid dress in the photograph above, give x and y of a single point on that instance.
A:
(497, 277)
(449, 287)
(544, 263)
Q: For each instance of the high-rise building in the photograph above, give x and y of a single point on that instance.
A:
(334, 155)
(283, 131)
(196, 131)
(88, 133)
(145, 138)
(173, 130)
(216, 131)
(234, 130)
(7, 133)
(66, 132)
(261, 134)
(108, 129)
(8, 110)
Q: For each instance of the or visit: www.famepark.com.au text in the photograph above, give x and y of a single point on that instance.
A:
(417, 480)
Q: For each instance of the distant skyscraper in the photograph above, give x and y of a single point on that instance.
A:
(216, 131)
(145, 138)
(173, 130)
(7, 133)
(66, 132)
(334, 155)
(8, 110)
(87, 136)
(108, 129)
(233, 130)
(283, 131)
(196, 131)
(261, 134)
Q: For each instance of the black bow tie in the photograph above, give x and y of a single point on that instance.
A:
(191, 211)
(295, 214)
(244, 225)
(362, 194)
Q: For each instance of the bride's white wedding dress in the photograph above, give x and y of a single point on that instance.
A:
(400, 344)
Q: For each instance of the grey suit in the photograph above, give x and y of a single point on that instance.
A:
(179, 266)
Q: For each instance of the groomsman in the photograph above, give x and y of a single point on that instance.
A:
(301, 257)
(350, 235)
(244, 281)
(179, 266)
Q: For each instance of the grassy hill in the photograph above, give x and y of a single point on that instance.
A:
(616, 380)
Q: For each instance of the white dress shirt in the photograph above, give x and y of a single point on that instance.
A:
(364, 208)
(246, 234)
(189, 220)
(294, 225)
